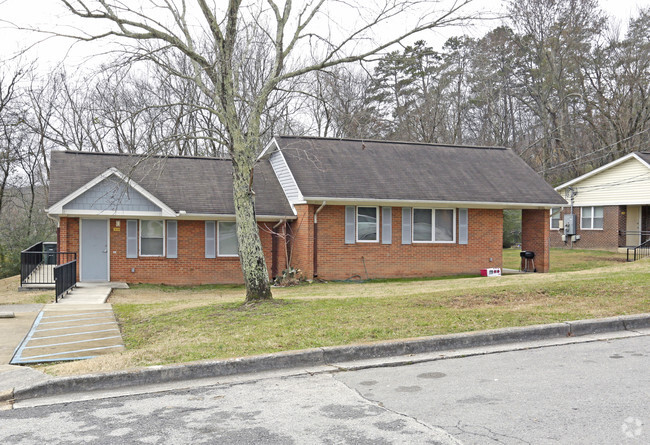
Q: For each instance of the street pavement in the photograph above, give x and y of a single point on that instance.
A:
(591, 393)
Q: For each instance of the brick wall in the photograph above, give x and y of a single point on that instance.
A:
(69, 237)
(535, 228)
(302, 239)
(191, 267)
(614, 219)
(337, 260)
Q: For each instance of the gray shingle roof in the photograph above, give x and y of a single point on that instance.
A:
(356, 169)
(196, 185)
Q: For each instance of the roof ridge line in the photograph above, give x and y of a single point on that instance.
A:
(384, 141)
(139, 155)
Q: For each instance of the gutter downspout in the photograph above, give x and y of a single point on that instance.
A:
(316, 238)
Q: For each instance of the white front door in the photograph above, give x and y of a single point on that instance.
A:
(633, 226)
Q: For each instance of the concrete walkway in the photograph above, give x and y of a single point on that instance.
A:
(81, 325)
(91, 293)
(13, 330)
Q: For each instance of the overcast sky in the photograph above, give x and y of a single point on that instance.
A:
(46, 13)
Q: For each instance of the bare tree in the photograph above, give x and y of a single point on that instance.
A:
(11, 116)
(300, 41)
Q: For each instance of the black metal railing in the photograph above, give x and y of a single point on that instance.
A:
(644, 235)
(638, 252)
(65, 277)
(38, 261)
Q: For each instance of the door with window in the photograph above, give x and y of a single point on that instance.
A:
(94, 250)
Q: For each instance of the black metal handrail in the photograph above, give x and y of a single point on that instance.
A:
(43, 255)
(640, 251)
(65, 277)
(643, 233)
(29, 262)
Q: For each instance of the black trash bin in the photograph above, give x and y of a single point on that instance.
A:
(49, 257)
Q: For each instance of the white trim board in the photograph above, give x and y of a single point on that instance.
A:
(57, 208)
(266, 149)
(425, 203)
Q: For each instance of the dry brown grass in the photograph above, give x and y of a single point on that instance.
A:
(9, 293)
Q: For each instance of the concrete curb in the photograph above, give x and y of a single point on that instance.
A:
(325, 356)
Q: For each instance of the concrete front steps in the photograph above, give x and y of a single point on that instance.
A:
(91, 293)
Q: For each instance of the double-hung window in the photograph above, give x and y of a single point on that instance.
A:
(152, 237)
(592, 218)
(434, 225)
(227, 244)
(556, 214)
(367, 224)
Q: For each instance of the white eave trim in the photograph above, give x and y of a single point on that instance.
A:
(57, 209)
(268, 146)
(602, 168)
(300, 199)
(230, 217)
(426, 203)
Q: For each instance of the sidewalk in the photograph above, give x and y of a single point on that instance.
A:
(12, 332)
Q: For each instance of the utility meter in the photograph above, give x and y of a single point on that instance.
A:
(569, 224)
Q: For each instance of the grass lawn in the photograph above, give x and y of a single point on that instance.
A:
(567, 260)
(163, 324)
(9, 293)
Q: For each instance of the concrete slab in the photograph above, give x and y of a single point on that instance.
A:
(70, 332)
(87, 295)
(19, 377)
(16, 308)
(57, 307)
(111, 284)
(12, 332)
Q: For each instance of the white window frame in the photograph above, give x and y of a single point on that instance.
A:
(216, 240)
(356, 225)
(593, 212)
(433, 225)
(559, 226)
(164, 238)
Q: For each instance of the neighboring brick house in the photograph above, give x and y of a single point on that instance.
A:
(338, 208)
(611, 206)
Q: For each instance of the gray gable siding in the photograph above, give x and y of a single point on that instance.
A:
(285, 177)
(112, 194)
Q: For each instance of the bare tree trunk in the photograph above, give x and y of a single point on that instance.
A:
(251, 254)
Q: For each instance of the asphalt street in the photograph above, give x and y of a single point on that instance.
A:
(589, 393)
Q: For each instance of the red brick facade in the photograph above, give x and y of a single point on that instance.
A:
(334, 258)
(535, 228)
(337, 260)
(614, 221)
(191, 267)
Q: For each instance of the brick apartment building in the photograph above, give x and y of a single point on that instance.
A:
(333, 208)
(611, 205)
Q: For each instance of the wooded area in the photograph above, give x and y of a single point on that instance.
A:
(555, 82)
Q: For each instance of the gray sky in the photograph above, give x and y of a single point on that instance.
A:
(49, 13)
